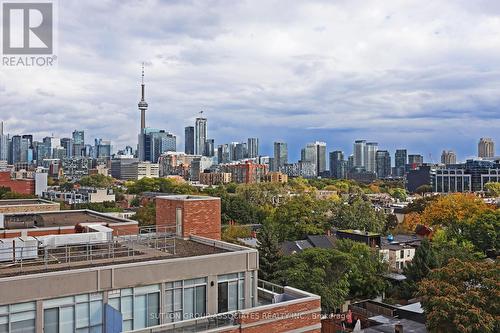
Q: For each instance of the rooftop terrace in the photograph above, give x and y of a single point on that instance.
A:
(38, 254)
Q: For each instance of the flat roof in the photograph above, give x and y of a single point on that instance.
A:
(62, 218)
(123, 253)
(187, 197)
(25, 202)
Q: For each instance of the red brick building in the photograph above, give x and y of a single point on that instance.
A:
(247, 172)
(190, 215)
(23, 186)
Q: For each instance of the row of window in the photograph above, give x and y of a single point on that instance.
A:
(139, 307)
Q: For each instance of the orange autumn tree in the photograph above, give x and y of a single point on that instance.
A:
(449, 209)
(409, 224)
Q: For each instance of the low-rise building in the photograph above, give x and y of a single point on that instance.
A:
(215, 178)
(276, 177)
(27, 205)
(167, 278)
(81, 195)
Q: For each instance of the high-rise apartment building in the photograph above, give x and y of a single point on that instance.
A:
(223, 155)
(253, 147)
(209, 149)
(415, 160)
(78, 143)
(280, 155)
(67, 144)
(200, 135)
(383, 159)
(400, 160)
(337, 164)
(486, 148)
(315, 153)
(371, 156)
(359, 153)
(448, 157)
(4, 144)
(189, 140)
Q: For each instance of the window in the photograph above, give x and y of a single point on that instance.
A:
(140, 306)
(18, 317)
(186, 299)
(231, 292)
(401, 254)
(80, 313)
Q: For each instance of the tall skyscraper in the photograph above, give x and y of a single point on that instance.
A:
(240, 151)
(143, 106)
(280, 155)
(200, 135)
(448, 157)
(209, 149)
(400, 160)
(371, 156)
(189, 140)
(415, 160)
(253, 147)
(486, 148)
(359, 153)
(383, 159)
(223, 155)
(4, 144)
(337, 164)
(78, 143)
(315, 153)
(67, 144)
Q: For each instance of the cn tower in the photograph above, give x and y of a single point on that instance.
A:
(143, 106)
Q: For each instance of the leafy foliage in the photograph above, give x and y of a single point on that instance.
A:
(462, 297)
(423, 262)
(359, 215)
(366, 274)
(300, 216)
(164, 185)
(231, 233)
(146, 215)
(320, 271)
(97, 180)
(269, 252)
(493, 189)
(449, 209)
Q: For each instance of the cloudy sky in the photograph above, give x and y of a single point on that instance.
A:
(406, 73)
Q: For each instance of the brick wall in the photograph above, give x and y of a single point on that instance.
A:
(23, 186)
(281, 318)
(28, 208)
(200, 217)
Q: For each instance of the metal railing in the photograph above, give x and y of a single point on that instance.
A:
(18, 258)
(275, 288)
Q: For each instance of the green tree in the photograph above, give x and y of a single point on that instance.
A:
(462, 297)
(422, 189)
(300, 216)
(269, 252)
(235, 208)
(398, 193)
(366, 274)
(423, 262)
(146, 215)
(483, 231)
(359, 215)
(320, 271)
(231, 233)
(493, 189)
(97, 180)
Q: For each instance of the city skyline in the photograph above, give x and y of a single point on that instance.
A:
(395, 90)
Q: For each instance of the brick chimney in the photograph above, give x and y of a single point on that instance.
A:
(190, 215)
